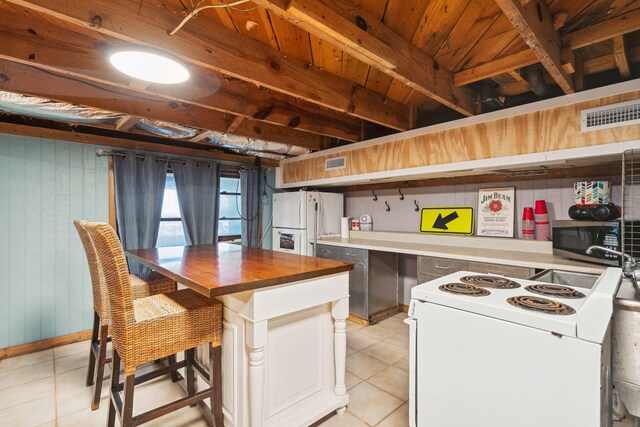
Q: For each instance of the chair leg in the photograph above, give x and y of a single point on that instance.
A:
(102, 356)
(174, 374)
(115, 380)
(127, 407)
(92, 356)
(189, 356)
(215, 381)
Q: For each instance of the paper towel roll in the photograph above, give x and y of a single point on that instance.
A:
(344, 227)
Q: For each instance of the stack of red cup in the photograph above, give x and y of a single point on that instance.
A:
(527, 224)
(543, 230)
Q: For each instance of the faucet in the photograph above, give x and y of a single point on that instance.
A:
(630, 267)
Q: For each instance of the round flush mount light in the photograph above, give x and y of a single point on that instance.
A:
(150, 65)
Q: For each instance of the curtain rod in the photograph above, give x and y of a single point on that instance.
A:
(105, 153)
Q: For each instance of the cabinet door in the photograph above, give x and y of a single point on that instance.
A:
(440, 266)
(358, 291)
(328, 252)
(503, 270)
(353, 255)
(426, 277)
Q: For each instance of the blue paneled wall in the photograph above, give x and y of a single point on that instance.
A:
(45, 289)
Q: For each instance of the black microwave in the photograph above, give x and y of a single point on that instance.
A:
(572, 238)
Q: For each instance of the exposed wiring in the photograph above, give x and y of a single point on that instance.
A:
(238, 207)
(266, 183)
(267, 230)
(195, 11)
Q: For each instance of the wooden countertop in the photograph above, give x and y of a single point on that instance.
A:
(215, 270)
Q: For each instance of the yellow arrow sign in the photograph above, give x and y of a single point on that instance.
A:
(447, 220)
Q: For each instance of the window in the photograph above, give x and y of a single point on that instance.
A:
(229, 222)
(171, 230)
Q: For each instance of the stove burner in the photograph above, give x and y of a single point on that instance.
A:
(464, 289)
(555, 291)
(541, 305)
(493, 282)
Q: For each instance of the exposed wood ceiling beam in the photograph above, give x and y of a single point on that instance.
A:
(29, 80)
(33, 41)
(495, 68)
(127, 122)
(86, 138)
(621, 55)
(535, 25)
(589, 66)
(606, 30)
(220, 49)
(234, 124)
(366, 38)
(201, 136)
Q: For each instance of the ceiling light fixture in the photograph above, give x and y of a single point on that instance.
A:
(150, 65)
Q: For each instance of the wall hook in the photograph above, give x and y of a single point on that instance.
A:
(415, 202)
(375, 198)
(388, 207)
(401, 195)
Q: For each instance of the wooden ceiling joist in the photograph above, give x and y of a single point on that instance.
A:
(535, 25)
(609, 29)
(617, 26)
(127, 122)
(234, 124)
(40, 43)
(222, 50)
(621, 55)
(29, 80)
(363, 35)
(495, 68)
(85, 138)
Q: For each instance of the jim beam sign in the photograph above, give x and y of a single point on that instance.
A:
(496, 212)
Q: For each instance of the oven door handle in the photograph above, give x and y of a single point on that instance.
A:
(413, 359)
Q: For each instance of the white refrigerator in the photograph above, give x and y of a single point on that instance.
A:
(299, 217)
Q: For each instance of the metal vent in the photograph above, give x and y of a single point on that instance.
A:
(610, 116)
(335, 163)
(631, 202)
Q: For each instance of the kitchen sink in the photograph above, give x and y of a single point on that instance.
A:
(567, 278)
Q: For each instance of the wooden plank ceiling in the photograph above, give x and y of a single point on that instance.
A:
(315, 73)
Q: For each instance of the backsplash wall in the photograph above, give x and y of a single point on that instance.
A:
(557, 192)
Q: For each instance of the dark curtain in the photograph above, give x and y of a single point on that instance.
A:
(139, 186)
(251, 189)
(198, 187)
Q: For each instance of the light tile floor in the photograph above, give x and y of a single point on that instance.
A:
(47, 388)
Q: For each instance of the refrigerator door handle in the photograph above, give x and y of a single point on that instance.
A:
(300, 212)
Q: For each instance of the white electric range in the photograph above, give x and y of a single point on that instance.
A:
(490, 351)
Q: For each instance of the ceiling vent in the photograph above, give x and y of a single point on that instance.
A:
(610, 116)
(335, 163)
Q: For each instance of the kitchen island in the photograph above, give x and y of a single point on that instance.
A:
(284, 339)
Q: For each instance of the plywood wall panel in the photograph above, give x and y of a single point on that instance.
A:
(547, 130)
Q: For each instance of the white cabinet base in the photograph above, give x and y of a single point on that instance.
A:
(284, 353)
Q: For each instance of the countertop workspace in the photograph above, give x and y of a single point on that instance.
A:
(516, 252)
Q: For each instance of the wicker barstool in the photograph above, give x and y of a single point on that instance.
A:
(151, 328)
(101, 312)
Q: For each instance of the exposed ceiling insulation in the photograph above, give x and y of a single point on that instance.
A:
(228, 140)
(166, 129)
(41, 108)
